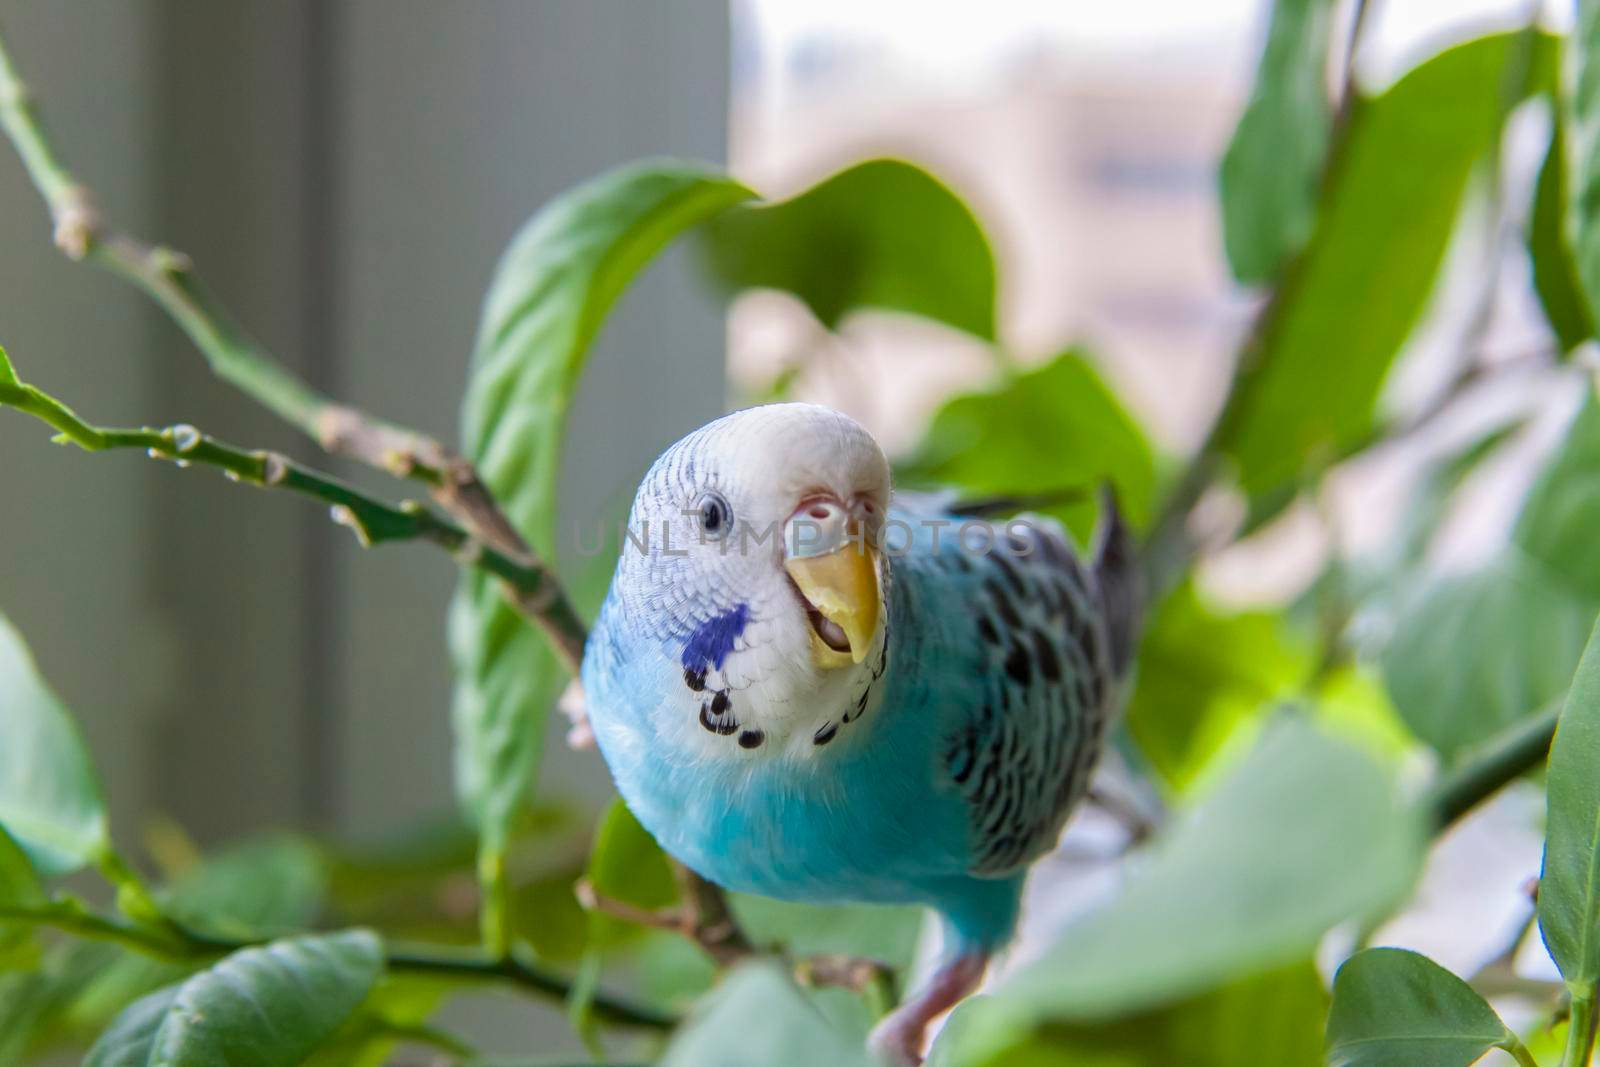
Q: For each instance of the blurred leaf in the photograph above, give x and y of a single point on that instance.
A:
(1053, 426)
(547, 915)
(627, 865)
(1274, 1018)
(1394, 1008)
(1353, 704)
(1247, 882)
(757, 1015)
(264, 887)
(367, 1038)
(19, 888)
(1583, 129)
(1202, 674)
(1569, 887)
(882, 234)
(1387, 212)
(1555, 269)
(1561, 515)
(550, 293)
(269, 1006)
(1274, 161)
(878, 932)
(25, 999)
(1473, 653)
(49, 799)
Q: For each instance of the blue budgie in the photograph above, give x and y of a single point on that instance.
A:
(807, 691)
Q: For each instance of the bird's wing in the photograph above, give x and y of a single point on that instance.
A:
(1022, 756)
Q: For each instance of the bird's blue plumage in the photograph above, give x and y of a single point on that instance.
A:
(950, 765)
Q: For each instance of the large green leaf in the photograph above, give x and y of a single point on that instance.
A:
(1584, 145)
(1473, 653)
(549, 296)
(1569, 887)
(1561, 515)
(1273, 163)
(1247, 882)
(757, 1015)
(882, 234)
(1201, 675)
(1394, 1008)
(260, 1007)
(1273, 1018)
(1555, 268)
(1390, 202)
(49, 799)
(1052, 427)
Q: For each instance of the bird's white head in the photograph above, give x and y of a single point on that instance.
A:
(751, 562)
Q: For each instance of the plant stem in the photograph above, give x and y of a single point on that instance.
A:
(1580, 1032)
(167, 277)
(1504, 758)
(1520, 1053)
(175, 943)
(372, 520)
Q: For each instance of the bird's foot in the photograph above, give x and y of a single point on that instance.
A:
(900, 1037)
(580, 734)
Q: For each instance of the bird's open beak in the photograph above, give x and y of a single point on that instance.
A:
(833, 563)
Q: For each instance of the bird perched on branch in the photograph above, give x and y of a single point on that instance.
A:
(807, 690)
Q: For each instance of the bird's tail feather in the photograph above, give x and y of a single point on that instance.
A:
(1115, 557)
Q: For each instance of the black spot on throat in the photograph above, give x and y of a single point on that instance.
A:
(694, 678)
(825, 733)
(751, 739)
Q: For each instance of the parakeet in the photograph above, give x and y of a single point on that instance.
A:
(810, 690)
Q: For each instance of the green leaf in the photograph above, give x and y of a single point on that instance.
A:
(1562, 511)
(882, 234)
(265, 887)
(991, 442)
(1583, 127)
(627, 865)
(1555, 268)
(8, 373)
(1387, 212)
(49, 799)
(1247, 882)
(1394, 1008)
(1472, 653)
(1274, 161)
(1569, 887)
(550, 293)
(269, 1006)
(759, 1016)
(1274, 1018)
(1203, 674)
(19, 888)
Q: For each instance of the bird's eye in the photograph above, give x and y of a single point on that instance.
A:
(715, 514)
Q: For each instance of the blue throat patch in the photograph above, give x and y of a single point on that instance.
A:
(713, 639)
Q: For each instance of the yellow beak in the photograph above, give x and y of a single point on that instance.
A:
(843, 586)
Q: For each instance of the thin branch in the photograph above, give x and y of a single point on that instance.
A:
(179, 944)
(1506, 757)
(372, 520)
(168, 278)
